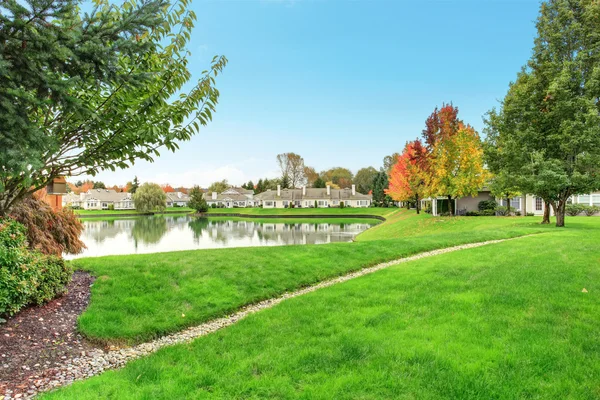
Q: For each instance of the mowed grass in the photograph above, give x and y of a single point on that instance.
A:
(503, 321)
(139, 297)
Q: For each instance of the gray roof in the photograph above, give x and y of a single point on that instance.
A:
(177, 196)
(106, 195)
(312, 194)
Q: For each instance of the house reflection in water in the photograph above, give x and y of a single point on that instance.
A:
(159, 233)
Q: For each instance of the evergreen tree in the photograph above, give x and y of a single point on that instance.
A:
(99, 185)
(319, 183)
(260, 186)
(134, 185)
(285, 182)
(380, 185)
(197, 200)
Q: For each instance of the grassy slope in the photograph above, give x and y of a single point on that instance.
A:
(138, 297)
(502, 321)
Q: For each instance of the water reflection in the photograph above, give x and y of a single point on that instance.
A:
(158, 233)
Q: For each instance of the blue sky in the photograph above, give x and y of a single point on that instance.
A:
(342, 83)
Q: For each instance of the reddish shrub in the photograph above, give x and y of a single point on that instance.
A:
(49, 231)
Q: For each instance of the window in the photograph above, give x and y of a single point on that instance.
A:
(515, 203)
(539, 204)
(286, 203)
(363, 202)
(269, 203)
(584, 199)
(322, 203)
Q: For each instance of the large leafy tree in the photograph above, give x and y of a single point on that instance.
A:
(85, 92)
(364, 179)
(546, 134)
(150, 197)
(219, 186)
(456, 167)
(292, 169)
(408, 176)
(340, 176)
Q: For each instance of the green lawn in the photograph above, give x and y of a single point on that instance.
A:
(138, 297)
(504, 321)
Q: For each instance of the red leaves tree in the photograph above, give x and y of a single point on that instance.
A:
(167, 188)
(407, 180)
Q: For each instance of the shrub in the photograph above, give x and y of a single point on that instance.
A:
(342, 204)
(27, 276)
(111, 207)
(487, 205)
(213, 205)
(530, 214)
(518, 213)
(473, 213)
(574, 209)
(591, 210)
(49, 231)
(316, 205)
(487, 213)
(502, 211)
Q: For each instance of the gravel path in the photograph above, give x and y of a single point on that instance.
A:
(96, 361)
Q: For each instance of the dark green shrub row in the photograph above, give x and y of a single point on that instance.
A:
(27, 276)
(576, 209)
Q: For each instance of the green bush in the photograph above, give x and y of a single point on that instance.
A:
(487, 213)
(503, 211)
(27, 276)
(342, 204)
(591, 210)
(111, 207)
(487, 205)
(473, 214)
(530, 214)
(574, 209)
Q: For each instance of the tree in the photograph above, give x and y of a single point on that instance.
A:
(339, 176)
(219, 186)
(408, 176)
(285, 182)
(332, 185)
(84, 92)
(99, 185)
(319, 183)
(250, 186)
(455, 152)
(167, 188)
(380, 186)
(87, 185)
(546, 134)
(311, 176)
(502, 185)
(134, 185)
(260, 186)
(364, 179)
(292, 167)
(150, 197)
(197, 200)
(389, 161)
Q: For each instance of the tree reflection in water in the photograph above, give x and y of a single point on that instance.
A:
(149, 230)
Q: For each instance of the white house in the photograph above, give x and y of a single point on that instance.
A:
(100, 199)
(313, 197)
(177, 199)
(232, 197)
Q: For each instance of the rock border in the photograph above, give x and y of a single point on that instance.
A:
(98, 361)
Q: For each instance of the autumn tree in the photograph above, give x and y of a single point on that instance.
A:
(292, 169)
(455, 152)
(408, 176)
(311, 176)
(340, 176)
(364, 179)
(167, 188)
(389, 161)
(82, 92)
(546, 133)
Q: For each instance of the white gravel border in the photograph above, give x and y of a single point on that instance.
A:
(91, 364)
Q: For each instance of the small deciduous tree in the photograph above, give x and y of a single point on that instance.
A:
(219, 186)
(292, 168)
(364, 179)
(407, 181)
(150, 197)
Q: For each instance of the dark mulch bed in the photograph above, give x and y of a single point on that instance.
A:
(37, 339)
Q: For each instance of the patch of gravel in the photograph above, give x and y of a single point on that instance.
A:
(95, 361)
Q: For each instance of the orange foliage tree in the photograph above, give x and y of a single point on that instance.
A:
(456, 167)
(407, 181)
(167, 188)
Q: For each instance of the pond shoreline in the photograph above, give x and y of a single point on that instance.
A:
(236, 215)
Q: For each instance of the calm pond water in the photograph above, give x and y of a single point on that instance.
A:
(162, 233)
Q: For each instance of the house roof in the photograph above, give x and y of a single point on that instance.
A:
(177, 196)
(312, 194)
(106, 195)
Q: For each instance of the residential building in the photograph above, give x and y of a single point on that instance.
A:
(177, 199)
(232, 197)
(101, 199)
(313, 197)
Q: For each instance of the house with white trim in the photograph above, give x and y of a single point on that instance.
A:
(101, 199)
(314, 197)
(177, 199)
(232, 197)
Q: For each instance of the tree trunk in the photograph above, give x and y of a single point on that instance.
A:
(418, 204)
(546, 217)
(507, 205)
(450, 210)
(559, 212)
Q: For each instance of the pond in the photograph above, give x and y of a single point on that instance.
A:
(163, 233)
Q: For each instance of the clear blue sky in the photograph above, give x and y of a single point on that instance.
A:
(342, 83)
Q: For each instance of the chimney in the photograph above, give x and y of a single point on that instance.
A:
(82, 196)
(353, 190)
(214, 195)
(179, 193)
(278, 190)
(328, 190)
(303, 190)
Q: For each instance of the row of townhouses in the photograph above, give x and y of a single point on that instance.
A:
(523, 204)
(104, 199)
